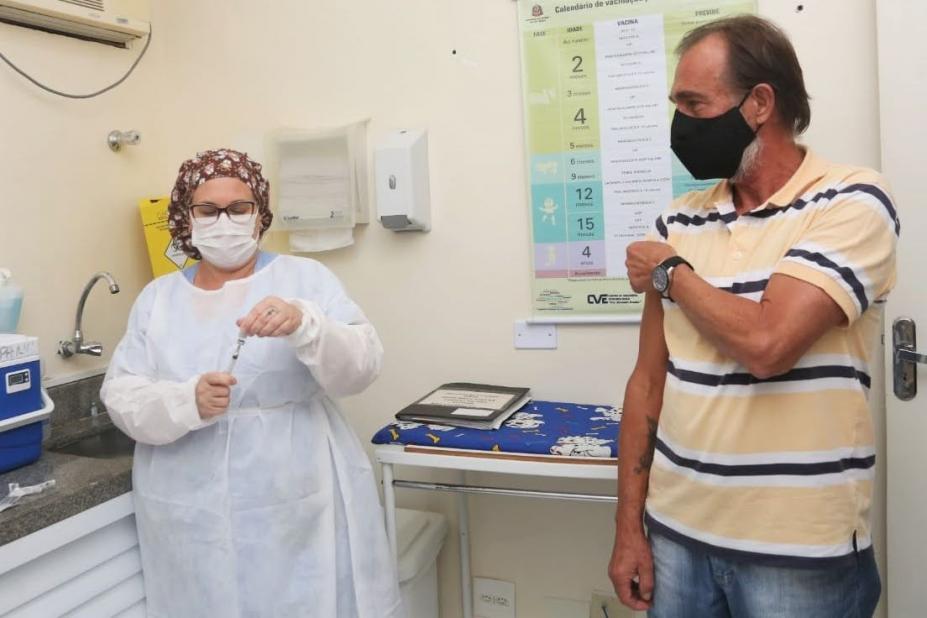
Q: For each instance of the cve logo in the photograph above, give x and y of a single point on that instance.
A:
(604, 299)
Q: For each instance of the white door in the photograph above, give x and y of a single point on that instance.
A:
(902, 93)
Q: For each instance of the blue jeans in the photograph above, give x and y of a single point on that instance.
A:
(689, 583)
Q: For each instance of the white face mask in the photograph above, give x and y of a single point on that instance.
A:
(225, 244)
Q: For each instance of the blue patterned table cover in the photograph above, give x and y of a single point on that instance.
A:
(539, 428)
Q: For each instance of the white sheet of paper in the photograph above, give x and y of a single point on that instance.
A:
(466, 399)
(637, 174)
(472, 412)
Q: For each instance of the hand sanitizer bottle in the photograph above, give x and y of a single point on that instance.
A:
(11, 302)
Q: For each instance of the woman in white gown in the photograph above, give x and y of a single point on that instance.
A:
(253, 497)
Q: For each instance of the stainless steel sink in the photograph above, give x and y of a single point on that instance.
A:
(108, 444)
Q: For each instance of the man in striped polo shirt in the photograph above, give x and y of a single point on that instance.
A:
(747, 445)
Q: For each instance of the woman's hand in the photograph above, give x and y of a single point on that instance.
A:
(212, 393)
(272, 317)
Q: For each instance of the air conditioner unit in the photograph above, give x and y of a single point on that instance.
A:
(116, 22)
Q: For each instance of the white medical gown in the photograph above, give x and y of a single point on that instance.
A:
(270, 509)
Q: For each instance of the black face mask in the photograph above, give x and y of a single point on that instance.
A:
(711, 147)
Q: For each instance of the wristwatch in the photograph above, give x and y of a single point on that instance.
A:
(662, 274)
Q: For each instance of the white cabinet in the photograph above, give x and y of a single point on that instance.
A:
(86, 565)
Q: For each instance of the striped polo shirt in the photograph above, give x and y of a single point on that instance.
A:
(778, 470)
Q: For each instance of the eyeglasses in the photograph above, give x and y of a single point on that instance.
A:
(237, 212)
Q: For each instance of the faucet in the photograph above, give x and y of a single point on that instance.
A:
(76, 345)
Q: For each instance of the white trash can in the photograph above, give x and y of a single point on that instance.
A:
(420, 536)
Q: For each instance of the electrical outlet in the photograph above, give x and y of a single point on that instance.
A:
(493, 598)
(606, 605)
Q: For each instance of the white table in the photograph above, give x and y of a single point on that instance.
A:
(391, 455)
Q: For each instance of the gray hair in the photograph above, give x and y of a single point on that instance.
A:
(759, 52)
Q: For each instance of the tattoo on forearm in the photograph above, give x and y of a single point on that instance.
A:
(646, 459)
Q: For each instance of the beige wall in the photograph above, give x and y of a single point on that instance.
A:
(444, 302)
(66, 199)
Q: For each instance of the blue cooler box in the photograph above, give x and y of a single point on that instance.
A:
(22, 407)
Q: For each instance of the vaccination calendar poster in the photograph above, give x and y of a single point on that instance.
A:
(596, 77)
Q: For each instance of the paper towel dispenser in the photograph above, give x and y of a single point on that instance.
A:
(401, 179)
(319, 181)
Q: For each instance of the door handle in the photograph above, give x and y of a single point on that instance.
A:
(910, 355)
(905, 358)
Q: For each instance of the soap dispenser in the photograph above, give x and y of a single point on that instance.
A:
(11, 302)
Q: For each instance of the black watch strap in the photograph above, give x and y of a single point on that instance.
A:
(668, 265)
(674, 261)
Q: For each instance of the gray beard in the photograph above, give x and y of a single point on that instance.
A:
(748, 161)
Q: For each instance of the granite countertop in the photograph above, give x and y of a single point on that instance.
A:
(80, 482)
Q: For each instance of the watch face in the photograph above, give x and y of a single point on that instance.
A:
(660, 279)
